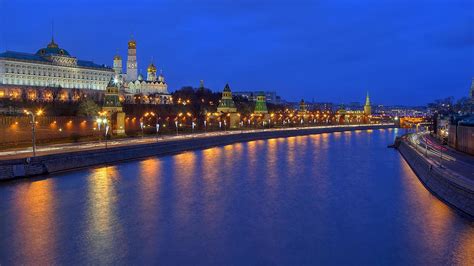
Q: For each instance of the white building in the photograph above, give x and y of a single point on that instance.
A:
(50, 67)
(153, 89)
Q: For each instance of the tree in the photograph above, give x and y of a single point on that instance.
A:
(88, 108)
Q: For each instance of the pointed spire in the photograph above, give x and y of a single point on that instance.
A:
(52, 31)
(367, 99)
(52, 44)
(227, 87)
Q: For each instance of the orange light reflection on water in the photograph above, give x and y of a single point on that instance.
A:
(103, 225)
(434, 218)
(37, 220)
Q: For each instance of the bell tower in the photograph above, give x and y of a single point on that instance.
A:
(132, 70)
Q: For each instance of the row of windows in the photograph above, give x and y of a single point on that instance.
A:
(60, 75)
(54, 72)
(79, 84)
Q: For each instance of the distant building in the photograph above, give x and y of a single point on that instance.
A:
(471, 93)
(323, 106)
(270, 96)
(354, 106)
(49, 67)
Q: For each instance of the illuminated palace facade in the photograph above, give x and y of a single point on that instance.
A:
(50, 68)
(153, 89)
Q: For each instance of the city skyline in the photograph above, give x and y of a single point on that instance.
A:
(386, 62)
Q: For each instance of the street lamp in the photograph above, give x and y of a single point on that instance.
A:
(33, 126)
(103, 120)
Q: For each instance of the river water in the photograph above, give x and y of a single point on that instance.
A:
(341, 198)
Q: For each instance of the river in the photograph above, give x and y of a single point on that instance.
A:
(332, 199)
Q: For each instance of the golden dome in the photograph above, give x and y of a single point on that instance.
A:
(117, 57)
(151, 68)
(132, 44)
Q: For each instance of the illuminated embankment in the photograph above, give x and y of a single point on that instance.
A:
(446, 184)
(53, 163)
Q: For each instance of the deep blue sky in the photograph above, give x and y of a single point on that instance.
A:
(403, 52)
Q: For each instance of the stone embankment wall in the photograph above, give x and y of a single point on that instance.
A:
(10, 169)
(461, 138)
(454, 190)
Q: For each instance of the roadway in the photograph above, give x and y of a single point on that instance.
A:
(442, 156)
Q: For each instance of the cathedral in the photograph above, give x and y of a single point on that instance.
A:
(136, 88)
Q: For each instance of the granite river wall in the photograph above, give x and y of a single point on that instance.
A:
(47, 164)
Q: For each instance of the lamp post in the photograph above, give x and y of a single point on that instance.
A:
(33, 127)
(102, 119)
(157, 130)
(106, 131)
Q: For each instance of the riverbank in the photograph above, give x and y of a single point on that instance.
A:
(53, 163)
(445, 183)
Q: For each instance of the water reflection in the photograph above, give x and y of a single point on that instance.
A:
(432, 220)
(184, 167)
(102, 224)
(324, 199)
(36, 222)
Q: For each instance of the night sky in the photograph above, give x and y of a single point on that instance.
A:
(402, 52)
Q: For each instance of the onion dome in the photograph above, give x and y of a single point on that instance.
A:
(117, 57)
(132, 44)
(52, 49)
(151, 68)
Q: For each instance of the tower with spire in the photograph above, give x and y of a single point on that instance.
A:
(367, 107)
(261, 103)
(132, 67)
(226, 105)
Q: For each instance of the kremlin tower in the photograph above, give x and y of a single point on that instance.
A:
(367, 107)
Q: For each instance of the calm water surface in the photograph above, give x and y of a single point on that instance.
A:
(341, 198)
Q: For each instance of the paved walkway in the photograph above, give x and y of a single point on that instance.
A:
(20, 153)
